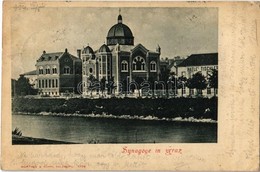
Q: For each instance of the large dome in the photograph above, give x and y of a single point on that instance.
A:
(120, 34)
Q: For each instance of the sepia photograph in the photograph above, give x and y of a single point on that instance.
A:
(130, 86)
(114, 75)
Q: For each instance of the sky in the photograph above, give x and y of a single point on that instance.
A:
(178, 31)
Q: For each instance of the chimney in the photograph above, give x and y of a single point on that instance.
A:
(66, 50)
(79, 53)
(44, 52)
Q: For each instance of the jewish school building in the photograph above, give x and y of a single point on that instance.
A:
(58, 73)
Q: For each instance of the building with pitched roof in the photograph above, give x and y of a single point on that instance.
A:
(203, 63)
(119, 59)
(58, 73)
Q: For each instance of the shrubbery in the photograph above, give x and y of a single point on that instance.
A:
(170, 108)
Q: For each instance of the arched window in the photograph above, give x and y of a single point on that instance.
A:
(91, 70)
(138, 63)
(40, 70)
(48, 70)
(66, 70)
(153, 66)
(54, 69)
(124, 66)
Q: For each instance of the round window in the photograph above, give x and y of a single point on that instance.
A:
(90, 70)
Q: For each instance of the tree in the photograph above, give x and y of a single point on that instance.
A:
(91, 86)
(23, 87)
(102, 85)
(190, 85)
(199, 82)
(125, 86)
(164, 77)
(13, 82)
(181, 84)
(110, 85)
(213, 80)
(172, 83)
(139, 81)
(151, 81)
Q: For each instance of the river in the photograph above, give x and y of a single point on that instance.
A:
(105, 130)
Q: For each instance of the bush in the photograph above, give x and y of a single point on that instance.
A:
(17, 132)
(170, 108)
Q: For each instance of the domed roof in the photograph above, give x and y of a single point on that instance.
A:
(88, 50)
(120, 33)
(120, 29)
(104, 49)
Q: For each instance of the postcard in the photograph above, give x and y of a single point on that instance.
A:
(130, 86)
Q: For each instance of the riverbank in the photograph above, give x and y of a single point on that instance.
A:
(22, 140)
(176, 108)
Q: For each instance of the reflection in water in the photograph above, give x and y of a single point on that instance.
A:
(104, 130)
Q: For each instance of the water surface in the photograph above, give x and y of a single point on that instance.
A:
(105, 130)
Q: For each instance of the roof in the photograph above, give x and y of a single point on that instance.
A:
(120, 29)
(120, 33)
(140, 46)
(104, 49)
(88, 50)
(30, 73)
(200, 60)
(50, 56)
(129, 48)
(174, 62)
(54, 56)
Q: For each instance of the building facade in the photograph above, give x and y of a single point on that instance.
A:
(203, 63)
(119, 59)
(58, 73)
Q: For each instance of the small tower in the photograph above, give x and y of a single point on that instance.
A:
(119, 18)
(158, 49)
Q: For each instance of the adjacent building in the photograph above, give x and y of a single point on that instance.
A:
(58, 73)
(173, 64)
(203, 63)
(119, 59)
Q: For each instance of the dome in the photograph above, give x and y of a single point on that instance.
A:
(104, 49)
(120, 29)
(120, 33)
(88, 50)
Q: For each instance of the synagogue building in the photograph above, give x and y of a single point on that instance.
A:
(119, 59)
